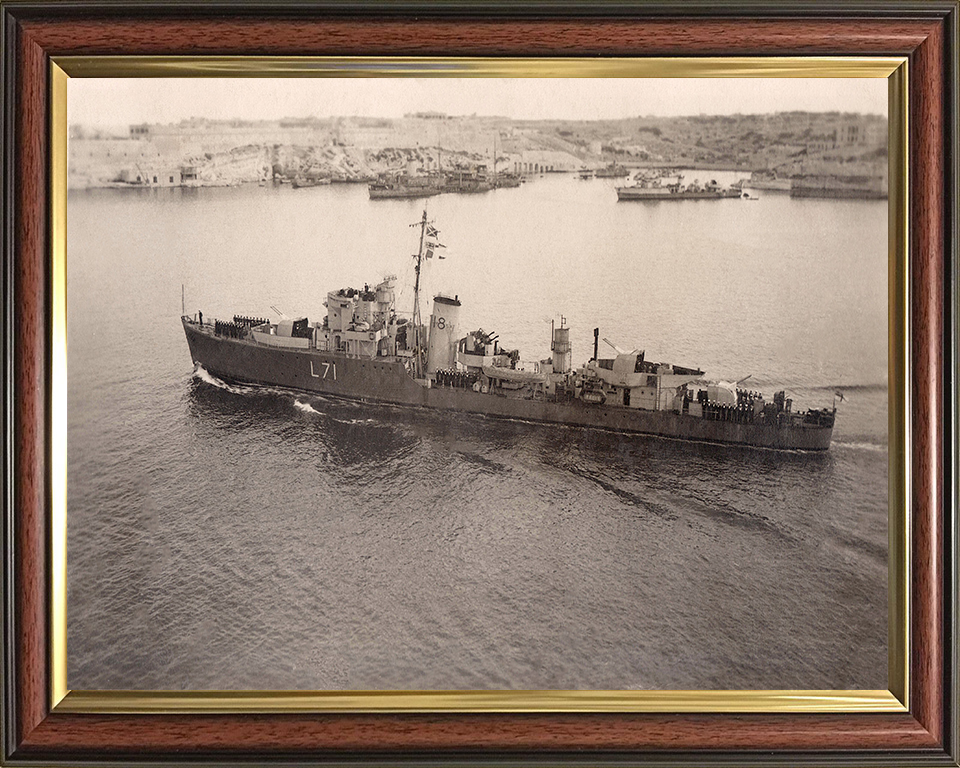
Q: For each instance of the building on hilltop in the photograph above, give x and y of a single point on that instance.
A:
(854, 133)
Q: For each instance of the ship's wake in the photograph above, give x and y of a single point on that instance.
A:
(205, 376)
(307, 408)
(860, 446)
(201, 373)
(875, 387)
(813, 389)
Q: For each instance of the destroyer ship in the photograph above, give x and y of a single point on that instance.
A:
(363, 349)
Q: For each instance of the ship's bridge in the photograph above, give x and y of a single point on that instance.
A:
(361, 322)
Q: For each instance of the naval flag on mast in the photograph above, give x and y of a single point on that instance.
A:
(432, 243)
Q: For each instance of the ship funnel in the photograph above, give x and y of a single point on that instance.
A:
(442, 345)
(562, 353)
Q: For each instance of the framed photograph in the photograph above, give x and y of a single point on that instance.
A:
(508, 384)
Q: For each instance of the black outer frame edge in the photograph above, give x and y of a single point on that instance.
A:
(951, 348)
(492, 8)
(10, 11)
(951, 391)
(492, 759)
(8, 716)
(47, 287)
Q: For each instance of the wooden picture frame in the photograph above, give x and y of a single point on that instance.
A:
(35, 34)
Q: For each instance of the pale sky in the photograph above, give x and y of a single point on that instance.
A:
(121, 101)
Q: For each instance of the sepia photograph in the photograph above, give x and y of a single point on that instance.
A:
(382, 384)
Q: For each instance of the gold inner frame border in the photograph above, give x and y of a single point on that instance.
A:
(895, 699)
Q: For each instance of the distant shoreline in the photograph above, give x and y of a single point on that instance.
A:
(225, 153)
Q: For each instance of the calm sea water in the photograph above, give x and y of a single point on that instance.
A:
(241, 537)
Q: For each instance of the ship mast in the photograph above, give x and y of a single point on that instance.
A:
(417, 325)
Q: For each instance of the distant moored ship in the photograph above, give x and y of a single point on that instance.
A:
(404, 186)
(654, 190)
(840, 187)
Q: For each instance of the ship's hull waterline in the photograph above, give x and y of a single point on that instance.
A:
(413, 193)
(641, 194)
(387, 381)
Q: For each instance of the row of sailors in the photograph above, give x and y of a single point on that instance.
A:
(747, 397)
(233, 330)
(450, 377)
(739, 414)
(748, 413)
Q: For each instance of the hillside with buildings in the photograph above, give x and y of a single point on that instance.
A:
(200, 152)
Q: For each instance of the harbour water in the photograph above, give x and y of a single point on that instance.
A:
(225, 537)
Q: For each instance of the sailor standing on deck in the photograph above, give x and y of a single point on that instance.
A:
(201, 316)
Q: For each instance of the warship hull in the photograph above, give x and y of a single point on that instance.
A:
(840, 187)
(650, 193)
(838, 193)
(387, 380)
(403, 193)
